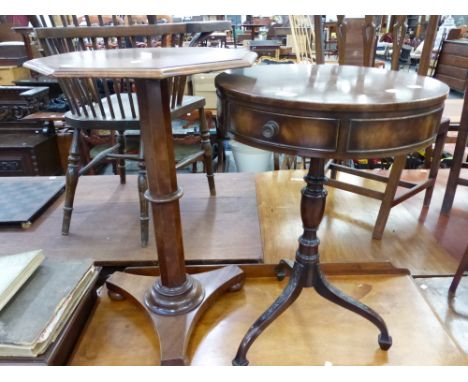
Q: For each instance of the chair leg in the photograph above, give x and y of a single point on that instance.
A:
(389, 196)
(221, 156)
(458, 275)
(435, 160)
(455, 170)
(276, 161)
(142, 187)
(206, 146)
(144, 215)
(71, 180)
(333, 171)
(121, 162)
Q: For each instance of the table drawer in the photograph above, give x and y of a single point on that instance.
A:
(283, 131)
(343, 136)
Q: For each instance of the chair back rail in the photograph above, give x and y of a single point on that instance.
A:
(357, 40)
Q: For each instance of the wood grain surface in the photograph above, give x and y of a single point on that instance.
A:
(346, 229)
(312, 332)
(106, 226)
(232, 228)
(452, 312)
(330, 111)
(153, 63)
(332, 87)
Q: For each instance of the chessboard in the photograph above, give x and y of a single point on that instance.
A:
(22, 199)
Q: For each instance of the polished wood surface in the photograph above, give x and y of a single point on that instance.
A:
(356, 40)
(448, 230)
(174, 331)
(425, 247)
(326, 114)
(332, 87)
(141, 63)
(109, 97)
(173, 293)
(462, 267)
(452, 311)
(205, 218)
(419, 337)
(452, 65)
(331, 111)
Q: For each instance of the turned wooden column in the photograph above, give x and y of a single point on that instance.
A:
(174, 292)
(313, 200)
(328, 115)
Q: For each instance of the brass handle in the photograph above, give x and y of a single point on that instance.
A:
(270, 129)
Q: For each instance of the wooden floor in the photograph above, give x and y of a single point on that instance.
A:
(452, 312)
(105, 223)
(427, 329)
(311, 332)
(226, 228)
(430, 245)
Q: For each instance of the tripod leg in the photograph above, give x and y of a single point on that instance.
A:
(289, 295)
(329, 292)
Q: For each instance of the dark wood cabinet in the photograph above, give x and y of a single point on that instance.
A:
(29, 155)
(452, 66)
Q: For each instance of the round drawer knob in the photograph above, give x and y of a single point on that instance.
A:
(270, 129)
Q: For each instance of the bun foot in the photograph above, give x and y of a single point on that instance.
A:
(114, 296)
(236, 287)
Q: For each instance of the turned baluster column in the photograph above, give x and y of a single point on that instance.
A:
(304, 270)
(174, 292)
(313, 200)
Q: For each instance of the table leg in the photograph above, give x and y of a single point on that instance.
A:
(174, 300)
(306, 269)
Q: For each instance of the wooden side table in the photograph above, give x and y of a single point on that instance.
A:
(320, 112)
(175, 300)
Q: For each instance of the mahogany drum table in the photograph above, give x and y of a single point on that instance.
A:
(175, 300)
(320, 112)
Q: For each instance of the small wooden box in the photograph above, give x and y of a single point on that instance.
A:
(29, 155)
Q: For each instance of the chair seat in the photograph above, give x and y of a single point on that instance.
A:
(125, 120)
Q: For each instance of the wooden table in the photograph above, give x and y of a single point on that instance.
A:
(320, 112)
(175, 300)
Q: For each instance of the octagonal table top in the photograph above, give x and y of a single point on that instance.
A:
(156, 63)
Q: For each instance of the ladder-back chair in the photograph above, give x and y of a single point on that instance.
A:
(364, 55)
(459, 160)
(111, 104)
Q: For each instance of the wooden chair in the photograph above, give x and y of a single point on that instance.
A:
(351, 56)
(458, 160)
(110, 104)
(356, 40)
(462, 267)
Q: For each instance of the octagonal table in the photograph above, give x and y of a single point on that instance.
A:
(174, 300)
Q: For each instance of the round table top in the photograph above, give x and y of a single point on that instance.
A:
(332, 87)
(156, 63)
